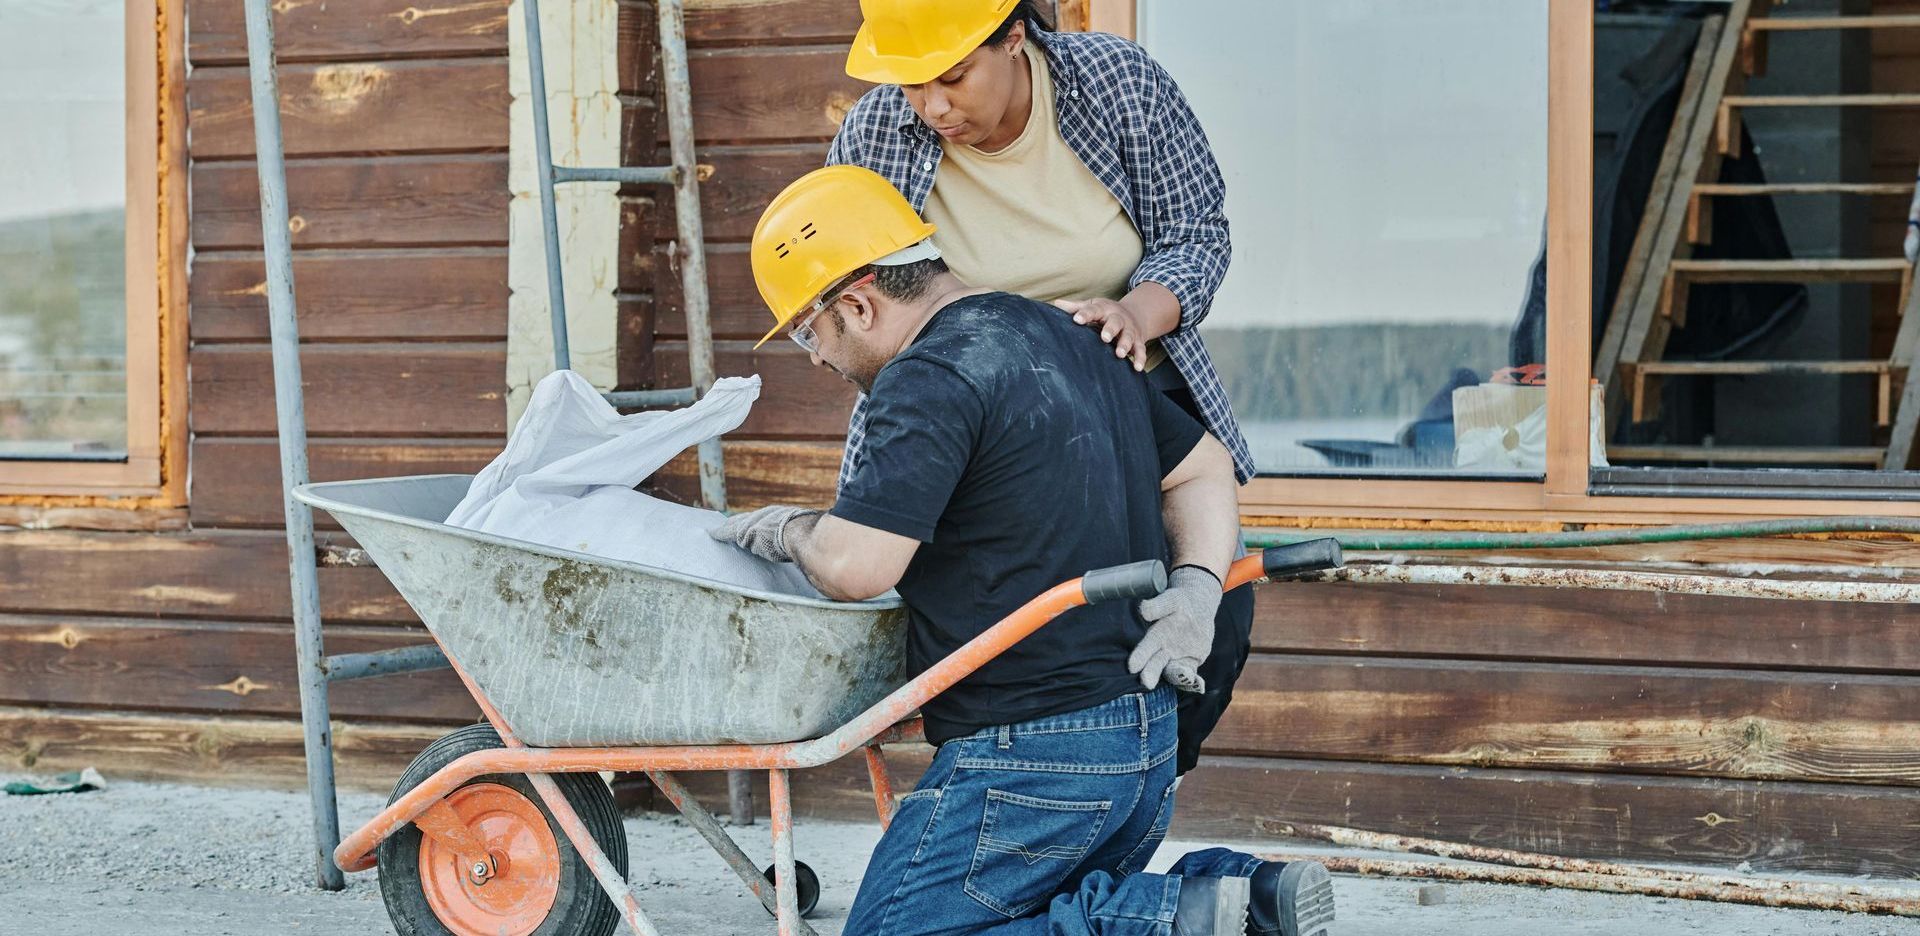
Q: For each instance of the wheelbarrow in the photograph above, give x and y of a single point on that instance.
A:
(583, 664)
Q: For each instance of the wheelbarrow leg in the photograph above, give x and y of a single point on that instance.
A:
(882, 785)
(787, 885)
(603, 869)
(710, 829)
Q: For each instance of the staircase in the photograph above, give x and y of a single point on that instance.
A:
(1661, 270)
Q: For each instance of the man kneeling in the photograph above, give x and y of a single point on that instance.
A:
(1007, 450)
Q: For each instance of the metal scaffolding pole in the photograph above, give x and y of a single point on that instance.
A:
(290, 409)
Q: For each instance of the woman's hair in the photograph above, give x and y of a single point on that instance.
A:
(1024, 10)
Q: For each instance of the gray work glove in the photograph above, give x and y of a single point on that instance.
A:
(1179, 631)
(761, 532)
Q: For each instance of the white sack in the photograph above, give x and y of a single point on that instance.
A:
(567, 475)
(1521, 447)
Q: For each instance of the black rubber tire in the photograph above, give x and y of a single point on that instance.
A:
(581, 907)
(809, 886)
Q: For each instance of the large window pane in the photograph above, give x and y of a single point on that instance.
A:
(62, 229)
(1386, 184)
(1760, 352)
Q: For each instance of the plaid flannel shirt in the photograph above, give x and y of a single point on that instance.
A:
(1127, 120)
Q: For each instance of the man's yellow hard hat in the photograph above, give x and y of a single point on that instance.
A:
(909, 42)
(827, 224)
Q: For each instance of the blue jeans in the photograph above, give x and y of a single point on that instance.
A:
(1037, 828)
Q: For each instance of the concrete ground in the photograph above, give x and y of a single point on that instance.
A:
(142, 859)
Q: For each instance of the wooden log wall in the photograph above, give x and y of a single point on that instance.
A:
(1612, 724)
(395, 115)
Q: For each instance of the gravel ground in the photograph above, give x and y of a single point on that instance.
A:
(143, 859)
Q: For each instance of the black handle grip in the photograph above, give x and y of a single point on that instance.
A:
(1298, 558)
(1133, 580)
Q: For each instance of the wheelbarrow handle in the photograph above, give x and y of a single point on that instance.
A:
(1316, 555)
(1133, 580)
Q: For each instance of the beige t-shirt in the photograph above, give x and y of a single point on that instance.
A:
(1032, 219)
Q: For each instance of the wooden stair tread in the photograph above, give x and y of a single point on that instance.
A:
(1721, 368)
(1821, 100)
(1780, 455)
(1876, 269)
(1805, 188)
(1803, 23)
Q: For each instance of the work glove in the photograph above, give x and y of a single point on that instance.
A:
(1179, 631)
(761, 532)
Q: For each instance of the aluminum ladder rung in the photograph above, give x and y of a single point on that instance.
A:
(414, 659)
(629, 175)
(635, 399)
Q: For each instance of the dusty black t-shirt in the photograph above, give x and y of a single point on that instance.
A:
(1021, 453)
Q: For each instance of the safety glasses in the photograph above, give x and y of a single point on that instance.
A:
(802, 331)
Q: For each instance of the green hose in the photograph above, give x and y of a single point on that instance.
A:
(1420, 542)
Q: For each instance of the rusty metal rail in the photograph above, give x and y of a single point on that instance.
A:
(1505, 866)
(1779, 894)
(1623, 580)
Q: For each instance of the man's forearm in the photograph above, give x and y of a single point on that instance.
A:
(1202, 515)
(847, 561)
(817, 566)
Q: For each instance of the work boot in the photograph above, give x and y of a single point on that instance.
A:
(1291, 898)
(1211, 907)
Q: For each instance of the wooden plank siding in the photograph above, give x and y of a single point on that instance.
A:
(395, 119)
(395, 122)
(1623, 725)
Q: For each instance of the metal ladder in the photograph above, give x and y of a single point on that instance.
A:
(689, 249)
(317, 670)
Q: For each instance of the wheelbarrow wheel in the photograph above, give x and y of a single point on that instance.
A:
(533, 884)
(809, 895)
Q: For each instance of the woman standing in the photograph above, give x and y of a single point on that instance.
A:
(1066, 167)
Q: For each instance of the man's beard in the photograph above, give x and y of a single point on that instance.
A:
(862, 370)
(866, 386)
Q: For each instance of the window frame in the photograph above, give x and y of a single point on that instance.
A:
(153, 475)
(1564, 494)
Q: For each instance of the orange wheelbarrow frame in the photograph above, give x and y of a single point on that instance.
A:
(891, 719)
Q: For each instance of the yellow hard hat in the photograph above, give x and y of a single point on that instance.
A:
(827, 224)
(914, 41)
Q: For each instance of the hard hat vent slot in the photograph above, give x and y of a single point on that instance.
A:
(808, 231)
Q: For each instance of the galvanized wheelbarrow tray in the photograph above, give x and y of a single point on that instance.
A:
(579, 651)
(583, 664)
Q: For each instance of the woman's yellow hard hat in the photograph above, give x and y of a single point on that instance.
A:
(827, 224)
(910, 42)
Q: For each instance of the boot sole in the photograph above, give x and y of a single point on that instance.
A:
(1306, 899)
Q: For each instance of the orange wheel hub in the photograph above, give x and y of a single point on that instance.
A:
(510, 890)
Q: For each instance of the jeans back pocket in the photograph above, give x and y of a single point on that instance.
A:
(1027, 848)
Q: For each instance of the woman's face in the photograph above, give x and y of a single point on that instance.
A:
(967, 103)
